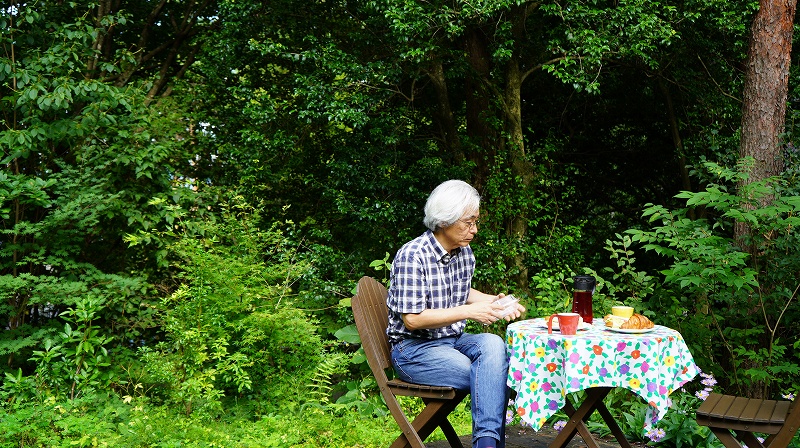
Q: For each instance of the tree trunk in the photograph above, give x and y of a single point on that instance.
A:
(763, 117)
(521, 167)
(675, 131)
(765, 92)
(447, 123)
(478, 101)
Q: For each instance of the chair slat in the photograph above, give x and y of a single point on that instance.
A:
(744, 416)
(737, 408)
(765, 411)
(722, 406)
(709, 405)
(780, 412)
(400, 387)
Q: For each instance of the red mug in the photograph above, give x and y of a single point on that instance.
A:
(567, 323)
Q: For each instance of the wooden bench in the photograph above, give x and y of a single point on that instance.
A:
(731, 418)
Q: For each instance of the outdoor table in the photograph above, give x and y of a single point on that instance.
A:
(544, 368)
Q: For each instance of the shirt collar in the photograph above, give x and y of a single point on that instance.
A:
(446, 258)
(442, 255)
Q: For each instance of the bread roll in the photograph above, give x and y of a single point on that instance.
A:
(614, 321)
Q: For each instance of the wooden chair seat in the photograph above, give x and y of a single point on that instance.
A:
(400, 387)
(731, 418)
(372, 317)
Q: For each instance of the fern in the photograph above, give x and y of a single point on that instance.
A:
(17, 344)
(320, 388)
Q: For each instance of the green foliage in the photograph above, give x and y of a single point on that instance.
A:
(320, 389)
(552, 291)
(82, 154)
(77, 360)
(741, 303)
(108, 421)
(680, 425)
(231, 324)
(91, 420)
(17, 387)
(638, 30)
(383, 266)
(627, 285)
(550, 245)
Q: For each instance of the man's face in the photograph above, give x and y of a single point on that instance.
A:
(460, 233)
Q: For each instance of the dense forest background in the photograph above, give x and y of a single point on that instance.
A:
(190, 190)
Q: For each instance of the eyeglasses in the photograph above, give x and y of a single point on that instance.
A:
(471, 224)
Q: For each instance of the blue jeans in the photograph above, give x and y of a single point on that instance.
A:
(474, 362)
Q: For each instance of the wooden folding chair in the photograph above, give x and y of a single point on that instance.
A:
(372, 317)
(746, 416)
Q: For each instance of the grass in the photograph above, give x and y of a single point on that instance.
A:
(113, 423)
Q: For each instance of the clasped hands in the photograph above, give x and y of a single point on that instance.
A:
(490, 311)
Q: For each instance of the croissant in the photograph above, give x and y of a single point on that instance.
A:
(637, 322)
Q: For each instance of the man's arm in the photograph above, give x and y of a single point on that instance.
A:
(483, 311)
(480, 307)
(476, 296)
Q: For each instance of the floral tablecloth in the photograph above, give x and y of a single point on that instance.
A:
(544, 368)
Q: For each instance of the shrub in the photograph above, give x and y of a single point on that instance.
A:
(230, 328)
(737, 305)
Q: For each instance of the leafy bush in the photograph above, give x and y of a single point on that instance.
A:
(230, 328)
(80, 159)
(91, 420)
(737, 306)
(77, 360)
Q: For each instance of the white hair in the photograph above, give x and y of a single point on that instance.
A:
(448, 202)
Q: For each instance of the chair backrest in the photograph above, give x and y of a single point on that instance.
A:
(372, 317)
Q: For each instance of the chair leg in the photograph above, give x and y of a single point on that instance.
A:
(440, 420)
(726, 437)
(402, 442)
(749, 439)
(423, 425)
(408, 440)
(781, 439)
(450, 434)
(409, 437)
(433, 416)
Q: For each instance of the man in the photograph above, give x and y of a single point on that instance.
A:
(430, 299)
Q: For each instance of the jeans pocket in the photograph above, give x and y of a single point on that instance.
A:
(402, 354)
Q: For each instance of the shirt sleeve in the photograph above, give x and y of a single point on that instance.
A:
(407, 292)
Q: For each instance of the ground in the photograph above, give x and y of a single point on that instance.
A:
(519, 437)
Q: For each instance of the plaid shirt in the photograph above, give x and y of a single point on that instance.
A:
(425, 276)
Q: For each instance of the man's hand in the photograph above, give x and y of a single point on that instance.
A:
(511, 307)
(486, 312)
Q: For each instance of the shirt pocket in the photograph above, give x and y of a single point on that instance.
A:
(461, 287)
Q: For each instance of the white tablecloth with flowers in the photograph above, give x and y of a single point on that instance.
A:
(544, 368)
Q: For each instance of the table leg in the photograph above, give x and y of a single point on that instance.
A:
(578, 418)
(612, 425)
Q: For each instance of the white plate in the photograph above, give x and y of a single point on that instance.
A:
(542, 322)
(631, 330)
